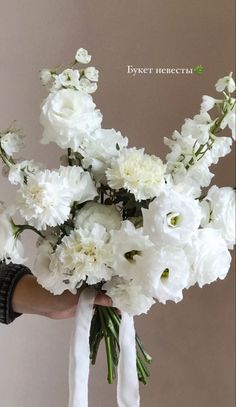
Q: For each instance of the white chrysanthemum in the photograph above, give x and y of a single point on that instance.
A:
(45, 199)
(11, 142)
(139, 173)
(79, 182)
(83, 256)
(91, 73)
(128, 297)
(170, 275)
(92, 212)
(219, 212)
(171, 218)
(11, 249)
(102, 146)
(70, 78)
(68, 116)
(82, 56)
(208, 256)
(226, 82)
(19, 171)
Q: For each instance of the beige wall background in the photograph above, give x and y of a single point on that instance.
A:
(193, 342)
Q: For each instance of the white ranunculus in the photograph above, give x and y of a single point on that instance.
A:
(219, 212)
(19, 171)
(82, 56)
(209, 257)
(68, 116)
(79, 183)
(11, 249)
(45, 76)
(102, 146)
(208, 103)
(226, 82)
(139, 173)
(91, 73)
(171, 218)
(92, 212)
(70, 78)
(170, 275)
(128, 296)
(11, 143)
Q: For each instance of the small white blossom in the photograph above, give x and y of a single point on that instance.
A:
(11, 143)
(20, 171)
(82, 56)
(87, 86)
(70, 78)
(226, 82)
(91, 73)
(208, 103)
(45, 76)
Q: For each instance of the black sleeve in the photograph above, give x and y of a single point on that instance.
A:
(10, 274)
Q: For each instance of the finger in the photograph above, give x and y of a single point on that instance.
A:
(103, 299)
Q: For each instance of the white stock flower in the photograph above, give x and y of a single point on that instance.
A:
(171, 218)
(128, 296)
(226, 82)
(19, 171)
(11, 249)
(67, 117)
(102, 146)
(91, 73)
(70, 78)
(11, 143)
(45, 76)
(82, 56)
(139, 173)
(219, 212)
(208, 256)
(87, 86)
(79, 183)
(92, 212)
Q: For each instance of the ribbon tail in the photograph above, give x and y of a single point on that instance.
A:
(79, 351)
(128, 384)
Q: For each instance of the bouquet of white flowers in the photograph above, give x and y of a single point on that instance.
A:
(118, 220)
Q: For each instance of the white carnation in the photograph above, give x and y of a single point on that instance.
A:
(139, 173)
(68, 116)
(92, 212)
(11, 143)
(82, 56)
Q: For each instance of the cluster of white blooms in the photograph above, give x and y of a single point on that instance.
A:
(113, 216)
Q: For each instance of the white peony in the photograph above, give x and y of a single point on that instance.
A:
(91, 73)
(11, 249)
(11, 143)
(208, 256)
(219, 212)
(128, 296)
(171, 218)
(67, 117)
(226, 82)
(92, 212)
(82, 56)
(139, 173)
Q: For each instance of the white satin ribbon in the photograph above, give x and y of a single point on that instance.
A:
(79, 350)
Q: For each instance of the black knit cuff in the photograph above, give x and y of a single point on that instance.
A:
(10, 274)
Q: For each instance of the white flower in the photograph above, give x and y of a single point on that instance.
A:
(11, 143)
(181, 148)
(19, 171)
(229, 120)
(67, 117)
(82, 56)
(209, 257)
(45, 76)
(219, 210)
(128, 297)
(102, 146)
(139, 173)
(79, 183)
(70, 78)
(11, 248)
(44, 200)
(92, 212)
(226, 82)
(171, 218)
(220, 148)
(198, 127)
(170, 275)
(83, 256)
(208, 103)
(91, 73)
(86, 86)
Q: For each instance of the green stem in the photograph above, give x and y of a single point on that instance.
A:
(21, 228)
(108, 347)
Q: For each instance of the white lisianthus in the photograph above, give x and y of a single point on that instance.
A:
(208, 103)
(45, 200)
(128, 296)
(139, 173)
(87, 86)
(11, 248)
(219, 212)
(79, 183)
(82, 56)
(170, 275)
(45, 76)
(11, 143)
(208, 256)
(92, 212)
(102, 146)
(226, 82)
(70, 78)
(20, 171)
(171, 218)
(91, 73)
(83, 256)
(67, 117)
